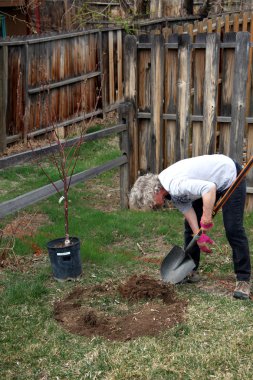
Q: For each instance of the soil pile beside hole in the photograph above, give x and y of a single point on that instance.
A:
(144, 287)
(142, 306)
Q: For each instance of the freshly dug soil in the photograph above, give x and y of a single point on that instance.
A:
(144, 287)
(142, 306)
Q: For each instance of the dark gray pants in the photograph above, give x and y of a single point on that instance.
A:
(232, 211)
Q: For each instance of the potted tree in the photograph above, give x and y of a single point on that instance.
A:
(64, 252)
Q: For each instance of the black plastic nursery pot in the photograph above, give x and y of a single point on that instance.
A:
(65, 260)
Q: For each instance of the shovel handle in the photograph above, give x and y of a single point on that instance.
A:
(224, 199)
(193, 241)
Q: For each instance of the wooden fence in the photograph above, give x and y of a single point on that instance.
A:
(57, 80)
(236, 22)
(188, 99)
(54, 81)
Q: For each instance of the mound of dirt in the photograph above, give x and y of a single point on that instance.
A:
(144, 287)
(142, 306)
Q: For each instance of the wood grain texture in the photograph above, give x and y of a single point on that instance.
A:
(198, 100)
(210, 92)
(170, 101)
(239, 96)
(183, 97)
(130, 75)
(3, 96)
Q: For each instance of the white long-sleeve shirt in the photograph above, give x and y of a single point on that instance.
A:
(187, 180)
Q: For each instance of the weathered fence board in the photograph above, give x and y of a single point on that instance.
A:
(157, 84)
(130, 67)
(124, 146)
(210, 93)
(111, 67)
(239, 96)
(228, 63)
(198, 85)
(170, 101)
(183, 98)
(119, 65)
(144, 101)
(3, 95)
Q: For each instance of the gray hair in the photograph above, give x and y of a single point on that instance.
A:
(143, 191)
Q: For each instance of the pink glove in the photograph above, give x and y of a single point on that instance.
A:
(203, 242)
(206, 226)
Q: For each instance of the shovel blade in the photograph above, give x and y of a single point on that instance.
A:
(176, 266)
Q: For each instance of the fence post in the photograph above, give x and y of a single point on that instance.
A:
(175, 8)
(157, 86)
(199, 77)
(144, 104)
(210, 92)
(3, 95)
(170, 100)
(124, 146)
(119, 66)
(156, 8)
(111, 67)
(183, 100)
(130, 75)
(226, 94)
(239, 95)
(26, 94)
(104, 69)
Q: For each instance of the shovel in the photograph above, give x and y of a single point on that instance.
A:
(178, 263)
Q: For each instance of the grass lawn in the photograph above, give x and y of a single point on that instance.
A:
(214, 341)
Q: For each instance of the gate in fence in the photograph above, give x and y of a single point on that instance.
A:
(188, 99)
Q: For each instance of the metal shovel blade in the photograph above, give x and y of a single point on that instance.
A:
(176, 265)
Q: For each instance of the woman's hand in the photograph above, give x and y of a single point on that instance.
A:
(203, 243)
(206, 225)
